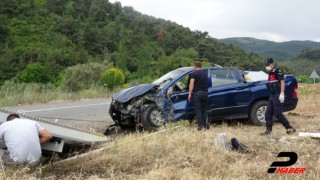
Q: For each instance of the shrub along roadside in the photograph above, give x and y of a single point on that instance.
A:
(36, 73)
(12, 93)
(112, 77)
(82, 76)
(82, 81)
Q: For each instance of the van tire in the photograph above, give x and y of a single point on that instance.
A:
(257, 113)
(151, 118)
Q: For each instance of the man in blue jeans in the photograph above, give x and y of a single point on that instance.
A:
(198, 94)
(276, 87)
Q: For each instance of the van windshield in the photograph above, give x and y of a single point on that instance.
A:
(163, 80)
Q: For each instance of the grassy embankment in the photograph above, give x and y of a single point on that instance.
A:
(12, 94)
(16, 94)
(185, 153)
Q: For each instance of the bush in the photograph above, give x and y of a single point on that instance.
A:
(306, 79)
(82, 76)
(112, 77)
(35, 73)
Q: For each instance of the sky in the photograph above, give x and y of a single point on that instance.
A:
(274, 20)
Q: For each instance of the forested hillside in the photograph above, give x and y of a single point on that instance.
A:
(280, 51)
(304, 63)
(56, 34)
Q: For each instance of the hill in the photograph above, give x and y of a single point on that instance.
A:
(60, 34)
(277, 50)
(304, 63)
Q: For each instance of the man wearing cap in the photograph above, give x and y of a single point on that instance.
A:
(276, 87)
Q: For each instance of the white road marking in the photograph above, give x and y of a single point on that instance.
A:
(68, 107)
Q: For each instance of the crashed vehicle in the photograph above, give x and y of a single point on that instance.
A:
(233, 94)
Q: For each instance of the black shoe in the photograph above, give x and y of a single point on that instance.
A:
(267, 132)
(291, 130)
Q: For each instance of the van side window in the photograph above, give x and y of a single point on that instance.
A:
(182, 85)
(221, 77)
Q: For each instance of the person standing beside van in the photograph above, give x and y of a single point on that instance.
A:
(198, 94)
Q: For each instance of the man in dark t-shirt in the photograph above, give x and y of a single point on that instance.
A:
(198, 94)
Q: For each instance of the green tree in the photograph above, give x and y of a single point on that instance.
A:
(180, 58)
(56, 6)
(35, 73)
(4, 30)
(100, 10)
(121, 57)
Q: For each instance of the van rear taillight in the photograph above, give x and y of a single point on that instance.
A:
(295, 93)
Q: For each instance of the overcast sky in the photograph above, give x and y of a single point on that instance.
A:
(275, 20)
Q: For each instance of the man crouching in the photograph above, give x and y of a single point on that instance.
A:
(22, 138)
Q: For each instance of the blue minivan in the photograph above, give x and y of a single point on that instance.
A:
(231, 96)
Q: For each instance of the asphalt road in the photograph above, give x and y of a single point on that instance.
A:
(88, 114)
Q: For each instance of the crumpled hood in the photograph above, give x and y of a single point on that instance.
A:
(132, 92)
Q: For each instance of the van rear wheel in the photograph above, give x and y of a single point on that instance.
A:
(257, 113)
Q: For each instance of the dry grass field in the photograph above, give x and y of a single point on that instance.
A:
(185, 153)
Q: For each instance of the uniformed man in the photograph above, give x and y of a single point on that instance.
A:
(276, 87)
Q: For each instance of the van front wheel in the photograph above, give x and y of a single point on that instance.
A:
(152, 118)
